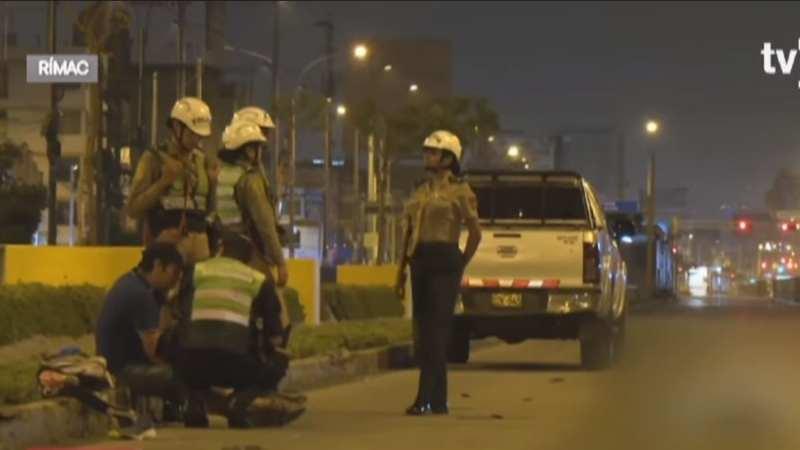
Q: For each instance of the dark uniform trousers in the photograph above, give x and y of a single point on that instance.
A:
(436, 271)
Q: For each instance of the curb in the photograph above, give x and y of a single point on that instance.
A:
(48, 422)
(52, 421)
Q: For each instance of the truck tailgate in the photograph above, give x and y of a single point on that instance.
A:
(513, 256)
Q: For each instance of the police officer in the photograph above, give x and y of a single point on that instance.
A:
(243, 201)
(234, 337)
(173, 187)
(261, 118)
(432, 220)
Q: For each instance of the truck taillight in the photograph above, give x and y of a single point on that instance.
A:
(591, 263)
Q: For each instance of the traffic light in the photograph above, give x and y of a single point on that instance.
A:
(788, 227)
(744, 226)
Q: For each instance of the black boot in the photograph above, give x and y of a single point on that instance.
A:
(238, 403)
(172, 411)
(196, 415)
(440, 409)
(419, 409)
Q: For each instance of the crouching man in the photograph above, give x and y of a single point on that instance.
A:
(235, 339)
(129, 326)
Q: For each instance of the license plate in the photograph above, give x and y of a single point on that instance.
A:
(507, 300)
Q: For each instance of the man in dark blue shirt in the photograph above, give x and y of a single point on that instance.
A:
(129, 325)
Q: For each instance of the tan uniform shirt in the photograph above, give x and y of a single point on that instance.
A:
(436, 211)
(142, 198)
(256, 204)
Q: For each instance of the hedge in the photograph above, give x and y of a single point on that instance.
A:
(348, 302)
(33, 309)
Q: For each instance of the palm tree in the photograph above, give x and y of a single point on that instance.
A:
(101, 24)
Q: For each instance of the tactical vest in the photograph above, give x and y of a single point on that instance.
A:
(188, 192)
(228, 209)
(223, 297)
(186, 198)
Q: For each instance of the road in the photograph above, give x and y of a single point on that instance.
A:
(701, 374)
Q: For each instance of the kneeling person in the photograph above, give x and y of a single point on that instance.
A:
(129, 327)
(233, 337)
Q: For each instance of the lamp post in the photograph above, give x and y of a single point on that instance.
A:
(652, 128)
(360, 52)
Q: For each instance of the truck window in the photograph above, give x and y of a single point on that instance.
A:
(551, 202)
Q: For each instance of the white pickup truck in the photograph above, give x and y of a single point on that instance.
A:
(547, 267)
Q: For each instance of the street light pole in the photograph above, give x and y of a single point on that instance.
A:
(292, 157)
(652, 128)
(276, 146)
(53, 146)
(181, 55)
(356, 196)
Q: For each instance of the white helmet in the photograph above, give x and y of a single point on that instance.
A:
(194, 113)
(444, 140)
(240, 133)
(254, 114)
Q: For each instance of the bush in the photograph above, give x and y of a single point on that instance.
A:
(296, 311)
(33, 309)
(348, 302)
(30, 309)
(356, 335)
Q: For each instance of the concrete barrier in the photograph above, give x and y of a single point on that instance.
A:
(99, 266)
(304, 277)
(102, 266)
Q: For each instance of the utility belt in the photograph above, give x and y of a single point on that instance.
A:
(194, 221)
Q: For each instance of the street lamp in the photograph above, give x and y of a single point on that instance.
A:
(513, 151)
(490, 139)
(413, 88)
(387, 68)
(652, 127)
(361, 52)
(341, 110)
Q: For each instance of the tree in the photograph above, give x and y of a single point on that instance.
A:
(785, 191)
(401, 133)
(21, 204)
(105, 27)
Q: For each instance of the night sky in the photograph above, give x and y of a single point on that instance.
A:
(727, 126)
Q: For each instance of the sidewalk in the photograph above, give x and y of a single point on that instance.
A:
(52, 421)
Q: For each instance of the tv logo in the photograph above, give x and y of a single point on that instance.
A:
(62, 69)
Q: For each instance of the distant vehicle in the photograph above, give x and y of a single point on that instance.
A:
(777, 260)
(547, 267)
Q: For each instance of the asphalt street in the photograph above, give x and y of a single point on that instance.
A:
(697, 374)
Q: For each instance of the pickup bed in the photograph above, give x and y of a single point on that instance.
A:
(547, 267)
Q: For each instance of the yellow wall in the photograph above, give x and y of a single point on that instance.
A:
(100, 266)
(304, 277)
(366, 275)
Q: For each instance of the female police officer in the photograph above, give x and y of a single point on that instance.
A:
(432, 219)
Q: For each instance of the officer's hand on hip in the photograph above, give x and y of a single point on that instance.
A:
(283, 275)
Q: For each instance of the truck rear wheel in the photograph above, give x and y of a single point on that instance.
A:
(597, 345)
